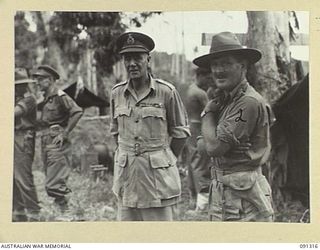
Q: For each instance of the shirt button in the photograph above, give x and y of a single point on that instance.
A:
(137, 120)
(137, 104)
(136, 137)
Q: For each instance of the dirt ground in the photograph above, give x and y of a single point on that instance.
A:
(93, 200)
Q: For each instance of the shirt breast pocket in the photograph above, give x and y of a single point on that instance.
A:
(51, 113)
(122, 114)
(154, 121)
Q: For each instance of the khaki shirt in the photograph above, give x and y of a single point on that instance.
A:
(145, 173)
(57, 108)
(245, 118)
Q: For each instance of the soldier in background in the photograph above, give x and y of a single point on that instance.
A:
(150, 126)
(198, 163)
(59, 115)
(25, 201)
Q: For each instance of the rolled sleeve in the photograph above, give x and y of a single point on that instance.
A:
(71, 105)
(240, 122)
(178, 126)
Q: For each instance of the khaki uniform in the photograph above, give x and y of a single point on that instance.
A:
(55, 112)
(145, 171)
(239, 191)
(24, 191)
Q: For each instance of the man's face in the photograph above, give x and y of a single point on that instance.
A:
(136, 64)
(227, 72)
(204, 80)
(44, 83)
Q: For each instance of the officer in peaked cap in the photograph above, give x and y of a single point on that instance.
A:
(46, 71)
(59, 115)
(134, 42)
(145, 112)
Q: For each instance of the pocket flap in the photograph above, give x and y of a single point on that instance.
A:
(153, 112)
(240, 180)
(122, 111)
(161, 159)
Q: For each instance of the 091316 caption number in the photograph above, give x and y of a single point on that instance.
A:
(308, 245)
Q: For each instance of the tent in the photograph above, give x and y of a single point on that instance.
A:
(290, 142)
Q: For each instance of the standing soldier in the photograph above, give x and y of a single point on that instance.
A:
(238, 191)
(25, 200)
(198, 163)
(59, 115)
(146, 112)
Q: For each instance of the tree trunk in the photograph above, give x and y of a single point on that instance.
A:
(53, 54)
(271, 76)
(264, 75)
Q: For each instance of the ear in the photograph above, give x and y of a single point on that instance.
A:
(148, 58)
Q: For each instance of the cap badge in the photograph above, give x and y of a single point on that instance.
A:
(130, 39)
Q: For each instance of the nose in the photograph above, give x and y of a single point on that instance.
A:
(217, 69)
(131, 62)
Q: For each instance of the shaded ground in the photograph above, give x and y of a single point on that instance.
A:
(94, 201)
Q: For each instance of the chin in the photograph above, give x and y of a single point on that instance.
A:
(135, 76)
(221, 86)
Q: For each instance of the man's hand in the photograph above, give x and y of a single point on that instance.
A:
(213, 105)
(60, 139)
(241, 148)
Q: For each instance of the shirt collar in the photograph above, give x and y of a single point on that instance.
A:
(52, 91)
(240, 88)
(129, 88)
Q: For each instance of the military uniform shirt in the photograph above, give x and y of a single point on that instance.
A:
(244, 118)
(145, 167)
(57, 108)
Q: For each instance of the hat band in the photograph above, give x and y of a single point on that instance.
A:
(134, 46)
(226, 47)
(26, 80)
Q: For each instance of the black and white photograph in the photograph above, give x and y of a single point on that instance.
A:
(161, 116)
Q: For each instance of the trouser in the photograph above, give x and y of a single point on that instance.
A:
(240, 196)
(199, 168)
(24, 191)
(57, 167)
(146, 214)
(198, 164)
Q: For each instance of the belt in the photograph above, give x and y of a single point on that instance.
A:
(52, 130)
(216, 174)
(139, 149)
